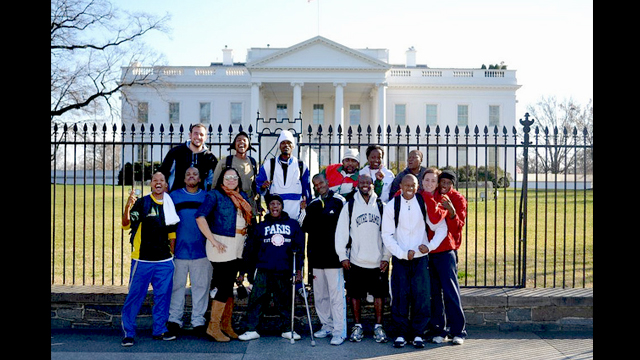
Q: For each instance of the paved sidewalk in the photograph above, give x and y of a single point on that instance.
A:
(480, 344)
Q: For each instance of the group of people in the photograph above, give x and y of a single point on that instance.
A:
(203, 220)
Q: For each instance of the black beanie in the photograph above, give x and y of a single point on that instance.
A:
(448, 174)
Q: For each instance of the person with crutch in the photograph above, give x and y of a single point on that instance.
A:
(268, 263)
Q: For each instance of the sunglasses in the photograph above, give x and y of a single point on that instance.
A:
(231, 177)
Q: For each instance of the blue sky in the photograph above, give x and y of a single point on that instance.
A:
(548, 42)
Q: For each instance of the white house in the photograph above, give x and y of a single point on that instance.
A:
(328, 84)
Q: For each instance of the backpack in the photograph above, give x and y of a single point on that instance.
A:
(396, 206)
(273, 168)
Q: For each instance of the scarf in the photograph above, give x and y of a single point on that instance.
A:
(240, 203)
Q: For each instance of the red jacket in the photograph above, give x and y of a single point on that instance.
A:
(455, 225)
(335, 179)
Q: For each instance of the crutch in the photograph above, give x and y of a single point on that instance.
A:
(306, 303)
(293, 295)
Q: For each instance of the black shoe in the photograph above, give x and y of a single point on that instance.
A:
(399, 342)
(167, 336)
(200, 330)
(127, 341)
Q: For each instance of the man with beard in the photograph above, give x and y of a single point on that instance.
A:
(193, 152)
(286, 176)
(343, 178)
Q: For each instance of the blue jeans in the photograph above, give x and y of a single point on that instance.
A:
(445, 295)
(160, 276)
(410, 291)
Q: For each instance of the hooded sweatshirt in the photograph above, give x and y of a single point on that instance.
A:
(367, 248)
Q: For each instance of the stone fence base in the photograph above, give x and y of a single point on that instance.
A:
(542, 309)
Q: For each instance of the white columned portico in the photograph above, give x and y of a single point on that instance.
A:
(255, 101)
(338, 115)
(382, 109)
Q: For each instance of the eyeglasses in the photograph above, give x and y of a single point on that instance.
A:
(231, 177)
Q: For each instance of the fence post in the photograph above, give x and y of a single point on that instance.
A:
(526, 123)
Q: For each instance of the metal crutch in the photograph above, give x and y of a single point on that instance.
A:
(306, 303)
(293, 296)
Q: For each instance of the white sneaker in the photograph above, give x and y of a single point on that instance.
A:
(287, 335)
(437, 339)
(249, 335)
(457, 340)
(337, 340)
(322, 333)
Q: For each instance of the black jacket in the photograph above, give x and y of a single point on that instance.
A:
(320, 223)
(180, 158)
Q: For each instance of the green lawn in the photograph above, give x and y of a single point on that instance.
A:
(88, 249)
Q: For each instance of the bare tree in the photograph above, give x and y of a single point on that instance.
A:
(90, 42)
(564, 134)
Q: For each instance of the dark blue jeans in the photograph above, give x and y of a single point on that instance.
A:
(410, 290)
(446, 307)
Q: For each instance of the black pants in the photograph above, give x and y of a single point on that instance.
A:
(265, 283)
(410, 303)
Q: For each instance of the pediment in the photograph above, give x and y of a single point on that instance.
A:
(318, 53)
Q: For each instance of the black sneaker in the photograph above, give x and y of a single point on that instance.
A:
(127, 341)
(399, 342)
(167, 336)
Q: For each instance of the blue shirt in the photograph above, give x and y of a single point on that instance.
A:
(190, 242)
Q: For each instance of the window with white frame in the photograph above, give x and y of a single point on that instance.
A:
(463, 115)
(205, 112)
(354, 114)
(143, 112)
(174, 112)
(281, 111)
(318, 114)
(494, 115)
(432, 114)
(236, 112)
(400, 114)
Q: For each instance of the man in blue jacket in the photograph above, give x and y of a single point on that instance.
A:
(268, 254)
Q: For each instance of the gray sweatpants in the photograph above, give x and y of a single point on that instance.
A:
(199, 272)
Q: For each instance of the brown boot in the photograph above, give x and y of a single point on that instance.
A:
(225, 323)
(213, 330)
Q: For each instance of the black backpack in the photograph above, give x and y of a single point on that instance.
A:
(396, 206)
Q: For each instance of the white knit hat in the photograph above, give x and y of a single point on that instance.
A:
(287, 135)
(351, 154)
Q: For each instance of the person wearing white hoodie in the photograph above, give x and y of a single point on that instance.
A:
(363, 255)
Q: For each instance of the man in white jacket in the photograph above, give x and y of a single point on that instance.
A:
(363, 255)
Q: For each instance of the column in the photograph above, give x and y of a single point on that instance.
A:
(382, 109)
(297, 100)
(255, 102)
(338, 117)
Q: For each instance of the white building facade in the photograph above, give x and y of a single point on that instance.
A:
(323, 83)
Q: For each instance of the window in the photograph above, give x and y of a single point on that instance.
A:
(494, 115)
(354, 114)
(236, 113)
(463, 115)
(143, 112)
(174, 113)
(205, 112)
(281, 111)
(401, 114)
(318, 114)
(432, 114)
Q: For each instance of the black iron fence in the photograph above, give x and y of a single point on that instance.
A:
(530, 195)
